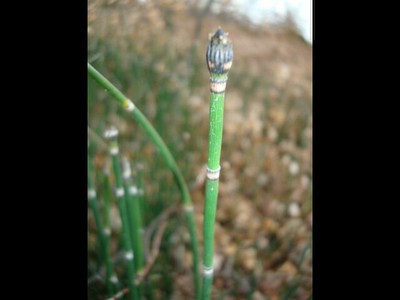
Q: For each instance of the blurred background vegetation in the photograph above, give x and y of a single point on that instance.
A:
(154, 52)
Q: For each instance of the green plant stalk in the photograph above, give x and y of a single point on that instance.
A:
(102, 238)
(212, 186)
(138, 246)
(134, 218)
(166, 154)
(136, 225)
(219, 58)
(121, 199)
(107, 195)
(140, 186)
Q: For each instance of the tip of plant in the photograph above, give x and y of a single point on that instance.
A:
(219, 34)
(219, 54)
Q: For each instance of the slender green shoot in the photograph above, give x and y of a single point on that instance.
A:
(107, 196)
(112, 134)
(103, 236)
(128, 105)
(134, 215)
(140, 186)
(219, 59)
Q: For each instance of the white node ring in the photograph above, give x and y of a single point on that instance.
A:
(208, 271)
(119, 192)
(213, 174)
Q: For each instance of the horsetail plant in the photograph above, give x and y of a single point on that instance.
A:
(112, 134)
(111, 280)
(107, 195)
(128, 105)
(219, 59)
(134, 215)
(139, 183)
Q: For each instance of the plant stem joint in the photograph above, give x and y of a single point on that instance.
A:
(91, 194)
(208, 271)
(128, 105)
(119, 192)
(114, 150)
(129, 255)
(213, 174)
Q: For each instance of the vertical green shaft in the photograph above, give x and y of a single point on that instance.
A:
(102, 237)
(134, 210)
(121, 199)
(216, 129)
(134, 214)
(107, 195)
(142, 198)
(219, 58)
(107, 200)
(214, 154)
(212, 185)
(135, 222)
(137, 219)
(134, 217)
(207, 286)
(210, 208)
(131, 222)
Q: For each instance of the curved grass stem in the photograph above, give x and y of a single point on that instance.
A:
(167, 156)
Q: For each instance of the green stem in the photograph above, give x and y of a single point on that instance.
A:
(121, 199)
(212, 186)
(219, 60)
(134, 218)
(107, 195)
(102, 236)
(216, 128)
(166, 154)
(134, 211)
(142, 199)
